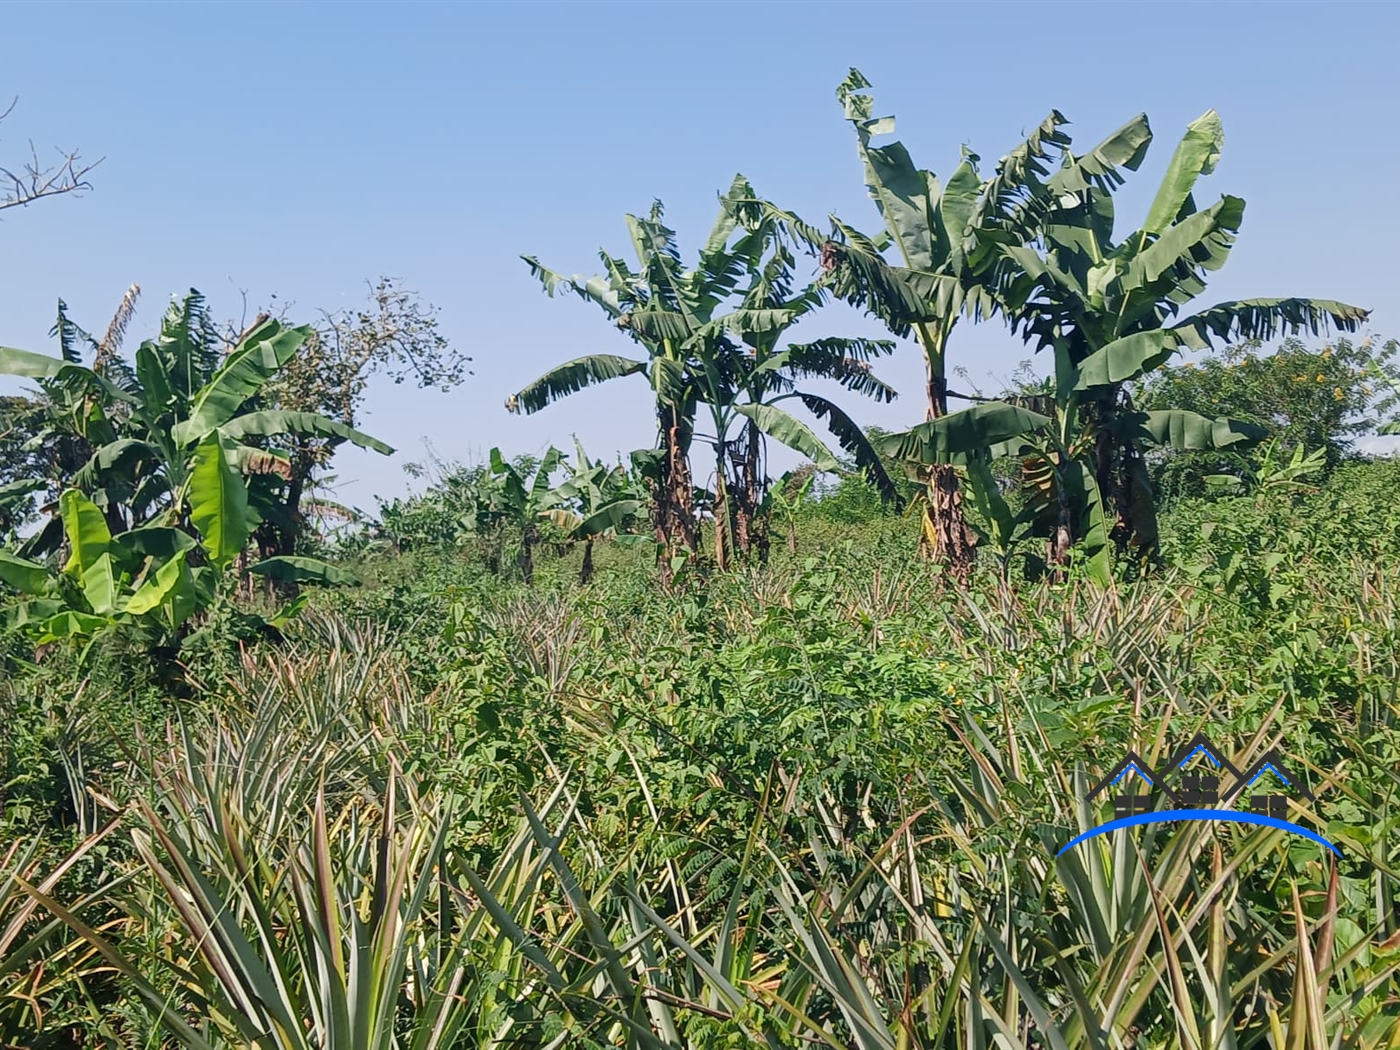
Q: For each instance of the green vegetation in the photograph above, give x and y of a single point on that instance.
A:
(666, 753)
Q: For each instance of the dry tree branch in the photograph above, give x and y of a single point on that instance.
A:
(69, 175)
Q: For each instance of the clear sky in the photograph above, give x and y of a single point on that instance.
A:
(301, 149)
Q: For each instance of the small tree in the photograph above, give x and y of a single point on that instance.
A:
(395, 334)
(512, 496)
(1314, 398)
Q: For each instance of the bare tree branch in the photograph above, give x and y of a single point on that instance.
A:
(35, 181)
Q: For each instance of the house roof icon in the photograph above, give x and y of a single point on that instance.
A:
(1200, 744)
(1269, 762)
(1132, 763)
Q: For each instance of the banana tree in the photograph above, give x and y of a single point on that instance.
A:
(594, 501)
(1110, 312)
(173, 441)
(703, 330)
(946, 262)
(1272, 475)
(1055, 441)
(943, 239)
(657, 306)
(50, 436)
(510, 498)
(748, 373)
(147, 581)
(145, 424)
(786, 499)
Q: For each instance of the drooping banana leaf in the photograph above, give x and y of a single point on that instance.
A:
(154, 541)
(603, 520)
(295, 569)
(792, 432)
(954, 437)
(571, 377)
(70, 624)
(855, 443)
(27, 577)
(986, 496)
(1182, 429)
(1267, 318)
(25, 364)
(273, 422)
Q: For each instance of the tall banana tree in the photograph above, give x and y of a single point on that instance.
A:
(693, 323)
(937, 261)
(1109, 311)
(942, 238)
(658, 306)
(751, 372)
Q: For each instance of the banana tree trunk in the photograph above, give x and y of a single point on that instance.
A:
(750, 530)
(282, 538)
(947, 537)
(1062, 533)
(528, 537)
(673, 497)
(586, 573)
(724, 513)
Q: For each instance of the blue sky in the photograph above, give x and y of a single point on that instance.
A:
(301, 149)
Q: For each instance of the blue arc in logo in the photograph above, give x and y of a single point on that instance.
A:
(1201, 814)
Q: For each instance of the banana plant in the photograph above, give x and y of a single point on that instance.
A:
(786, 499)
(1272, 474)
(941, 236)
(1110, 310)
(510, 498)
(748, 373)
(935, 262)
(657, 306)
(164, 492)
(1109, 314)
(1390, 427)
(595, 501)
(711, 335)
(151, 581)
(147, 428)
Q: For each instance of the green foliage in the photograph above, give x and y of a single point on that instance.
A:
(174, 461)
(1313, 398)
(812, 801)
(713, 338)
